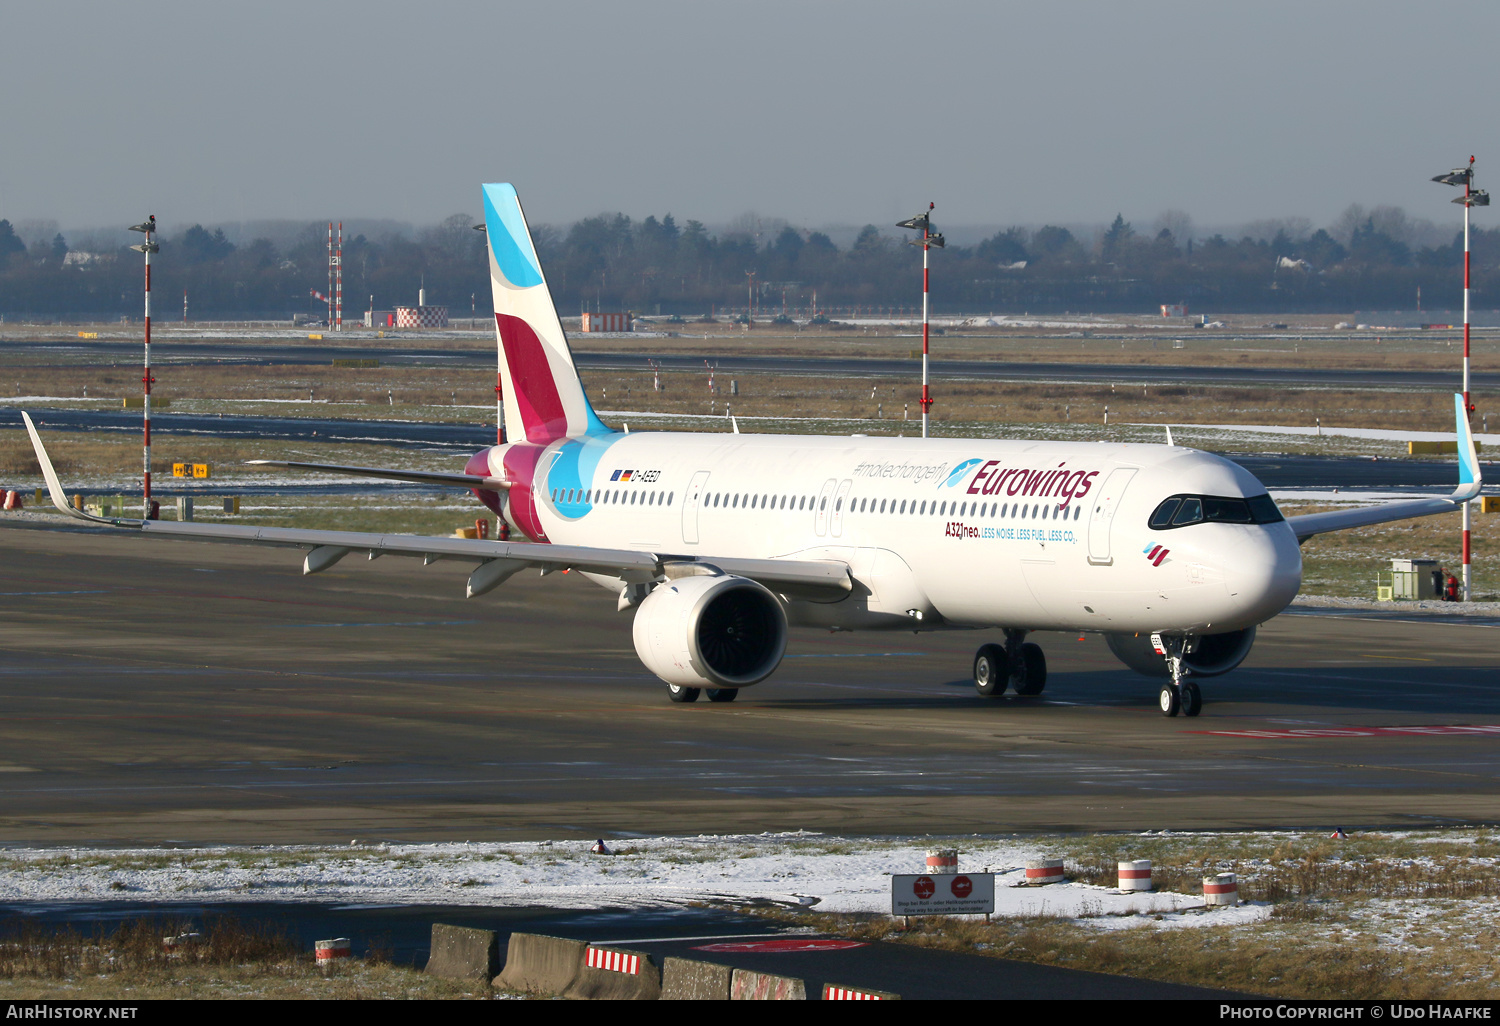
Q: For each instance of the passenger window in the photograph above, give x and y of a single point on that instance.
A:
(669, 497)
(1190, 512)
(824, 503)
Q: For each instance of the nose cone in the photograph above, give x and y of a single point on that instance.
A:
(1262, 572)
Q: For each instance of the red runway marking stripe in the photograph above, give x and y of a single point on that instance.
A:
(1478, 730)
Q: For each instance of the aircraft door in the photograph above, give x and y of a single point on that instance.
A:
(690, 501)
(821, 510)
(840, 498)
(1106, 501)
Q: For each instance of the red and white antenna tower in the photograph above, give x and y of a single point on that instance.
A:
(338, 282)
(1472, 197)
(923, 223)
(148, 247)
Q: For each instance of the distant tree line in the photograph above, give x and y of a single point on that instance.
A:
(656, 266)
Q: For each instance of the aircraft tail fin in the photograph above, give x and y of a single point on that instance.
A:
(544, 399)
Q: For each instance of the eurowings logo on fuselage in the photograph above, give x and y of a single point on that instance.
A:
(1048, 482)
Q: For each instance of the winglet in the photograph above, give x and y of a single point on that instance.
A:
(1470, 480)
(54, 486)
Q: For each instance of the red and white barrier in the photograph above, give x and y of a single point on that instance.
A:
(613, 961)
(942, 860)
(329, 951)
(833, 992)
(1221, 889)
(12, 500)
(1135, 875)
(1044, 871)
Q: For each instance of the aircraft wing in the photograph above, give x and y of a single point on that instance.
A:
(497, 559)
(493, 484)
(1470, 480)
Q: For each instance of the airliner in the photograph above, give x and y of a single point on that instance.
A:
(719, 542)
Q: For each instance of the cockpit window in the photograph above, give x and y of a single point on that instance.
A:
(1190, 512)
(1182, 510)
(1162, 518)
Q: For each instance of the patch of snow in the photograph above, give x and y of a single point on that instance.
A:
(797, 869)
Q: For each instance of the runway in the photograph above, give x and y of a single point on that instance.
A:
(157, 693)
(482, 355)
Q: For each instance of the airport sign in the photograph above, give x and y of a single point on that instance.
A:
(943, 894)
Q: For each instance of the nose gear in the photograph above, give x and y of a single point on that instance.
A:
(1181, 695)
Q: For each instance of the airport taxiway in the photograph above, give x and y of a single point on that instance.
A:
(480, 353)
(156, 692)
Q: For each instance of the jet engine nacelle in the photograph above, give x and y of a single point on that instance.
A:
(1213, 655)
(713, 631)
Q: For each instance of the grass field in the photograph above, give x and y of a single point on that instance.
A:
(225, 960)
(1391, 916)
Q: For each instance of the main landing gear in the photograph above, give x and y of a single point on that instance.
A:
(678, 693)
(1019, 663)
(1180, 695)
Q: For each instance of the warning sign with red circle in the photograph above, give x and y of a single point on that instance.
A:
(939, 894)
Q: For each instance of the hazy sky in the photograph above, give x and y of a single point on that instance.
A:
(819, 112)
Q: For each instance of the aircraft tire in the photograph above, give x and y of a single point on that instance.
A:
(990, 677)
(1033, 676)
(680, 694)
(1192, 699)
(723, 694)
(1169, 701)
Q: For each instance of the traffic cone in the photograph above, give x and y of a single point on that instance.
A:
(600, 848)
(1338, 834)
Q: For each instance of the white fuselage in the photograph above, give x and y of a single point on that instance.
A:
(937, 532)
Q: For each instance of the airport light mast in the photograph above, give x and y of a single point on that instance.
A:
(1472, 197)
(148, 247)
(923, 223)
